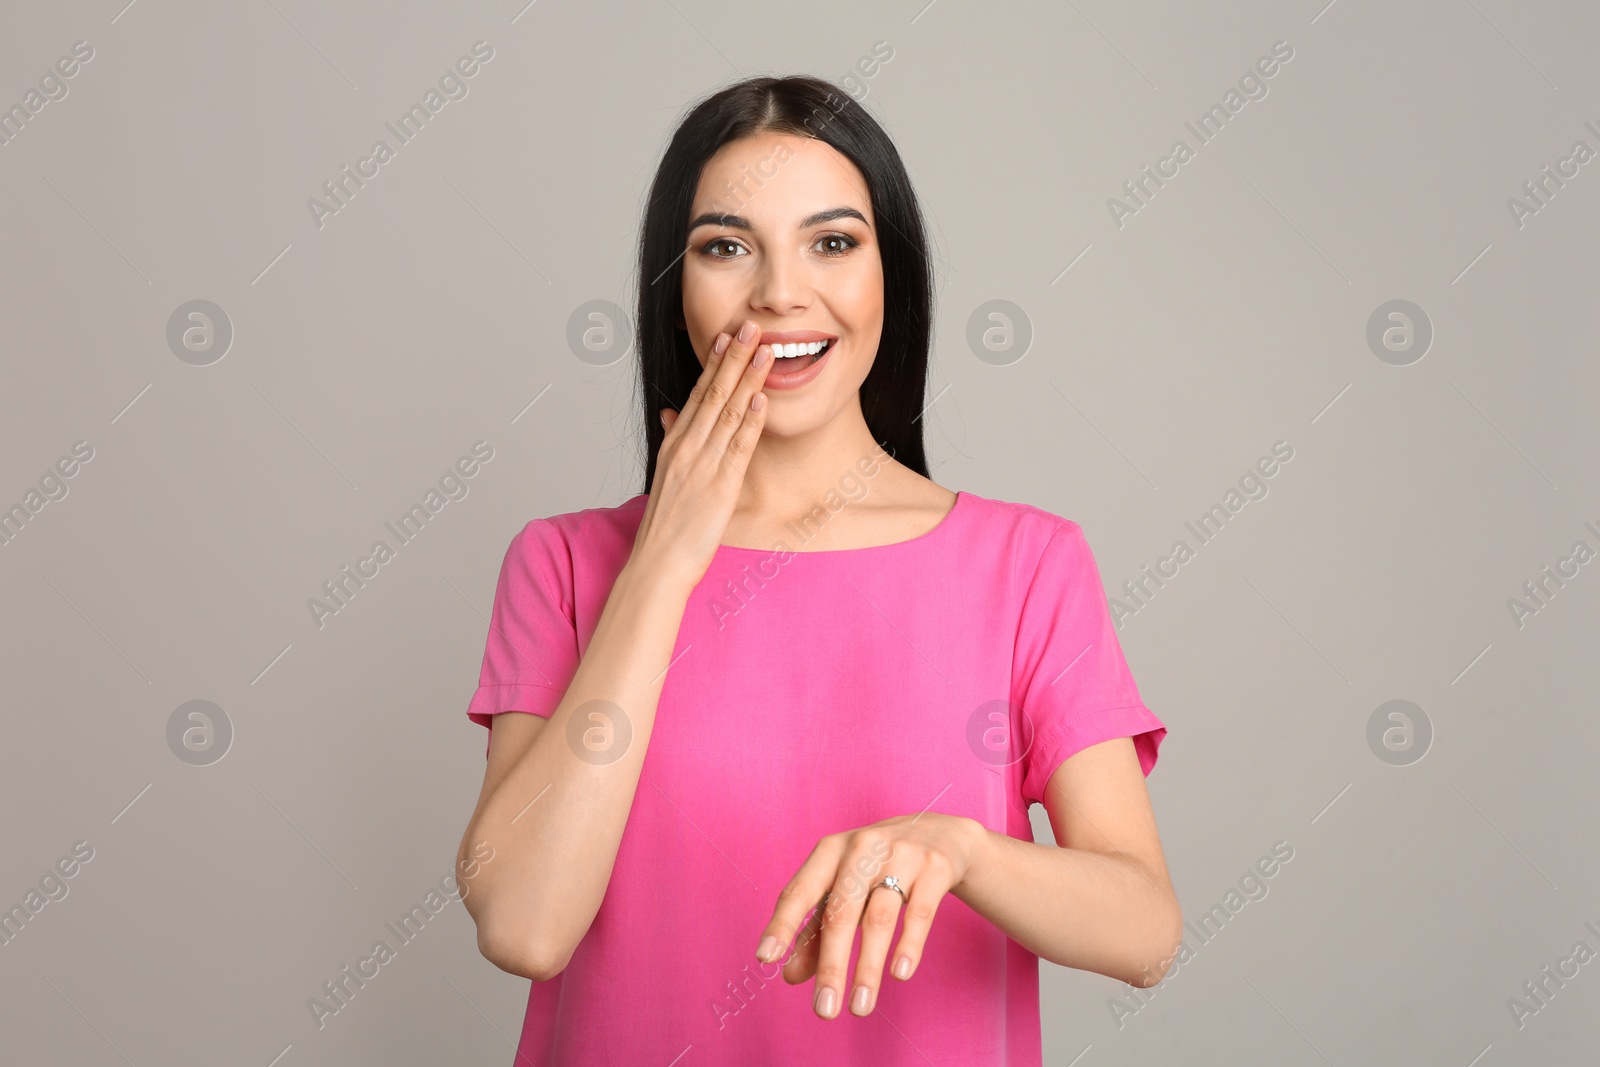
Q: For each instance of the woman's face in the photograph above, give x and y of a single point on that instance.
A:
(782, 232)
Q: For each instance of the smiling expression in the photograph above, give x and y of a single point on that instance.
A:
(782, 232)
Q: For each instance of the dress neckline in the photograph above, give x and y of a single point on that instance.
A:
(944, 523)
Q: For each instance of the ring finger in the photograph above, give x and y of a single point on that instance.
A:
(841, 918)
(877, 929)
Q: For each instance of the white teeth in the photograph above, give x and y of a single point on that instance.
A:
(791, 351)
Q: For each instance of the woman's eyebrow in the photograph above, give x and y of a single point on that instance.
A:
(739, 222)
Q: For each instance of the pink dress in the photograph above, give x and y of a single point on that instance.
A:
(814, 692)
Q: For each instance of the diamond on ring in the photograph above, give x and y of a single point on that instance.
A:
(891, 882)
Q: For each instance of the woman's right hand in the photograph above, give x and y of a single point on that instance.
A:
(700, 469)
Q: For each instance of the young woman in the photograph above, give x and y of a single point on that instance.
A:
(798, 691)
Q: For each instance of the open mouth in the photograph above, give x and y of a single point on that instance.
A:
(790, 357)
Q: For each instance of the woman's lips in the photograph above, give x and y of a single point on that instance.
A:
(806, 372)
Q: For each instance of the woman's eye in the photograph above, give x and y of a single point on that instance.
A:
(720, 242)
(832, 244)
(843, 243)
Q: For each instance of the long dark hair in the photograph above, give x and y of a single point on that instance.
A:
(892, 393)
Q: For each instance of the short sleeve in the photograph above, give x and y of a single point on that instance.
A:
(531, 652)
(1071, 681)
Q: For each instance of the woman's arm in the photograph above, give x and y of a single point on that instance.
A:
(552, 809)
(554, 820)
(1100, 902)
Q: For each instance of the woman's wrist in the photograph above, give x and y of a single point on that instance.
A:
(652, 577)
(979, 851)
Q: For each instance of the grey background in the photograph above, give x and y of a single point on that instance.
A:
(369, 354)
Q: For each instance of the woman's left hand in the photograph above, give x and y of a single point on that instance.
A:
(928, 854)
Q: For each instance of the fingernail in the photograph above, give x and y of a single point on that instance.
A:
(763, 354)
(825, 1002)
(769, 945)
(747, 333)
(859, 1004)
(902, 967)
(722, 344)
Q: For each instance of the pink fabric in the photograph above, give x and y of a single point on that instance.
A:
(909, 649)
